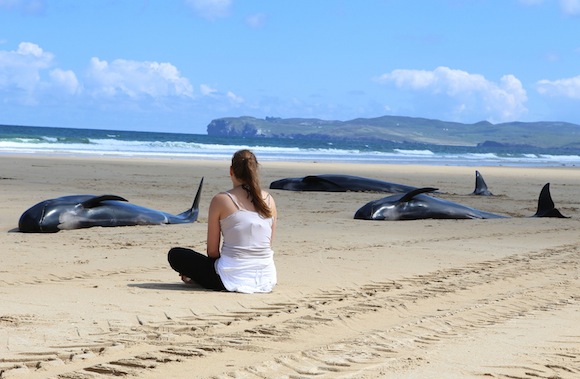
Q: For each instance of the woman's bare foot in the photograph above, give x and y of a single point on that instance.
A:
(186, 279)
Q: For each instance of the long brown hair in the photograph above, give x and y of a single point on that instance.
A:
(245, 168)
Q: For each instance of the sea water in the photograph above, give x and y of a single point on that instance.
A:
(117, 143)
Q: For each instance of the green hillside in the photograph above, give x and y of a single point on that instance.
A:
(403, 129)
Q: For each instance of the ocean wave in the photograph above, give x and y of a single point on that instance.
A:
(80, 142)
(196, 150)
(415, 152)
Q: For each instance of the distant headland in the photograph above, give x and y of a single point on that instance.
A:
(543, 134)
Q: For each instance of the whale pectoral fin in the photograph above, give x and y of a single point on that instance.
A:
(411, 194)
(96, 201)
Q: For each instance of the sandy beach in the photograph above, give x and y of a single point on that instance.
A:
(497, 298)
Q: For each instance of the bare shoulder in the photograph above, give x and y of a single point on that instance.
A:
(219, 199)
(220, 196)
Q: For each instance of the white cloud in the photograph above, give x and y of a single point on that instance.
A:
(135, 79)
(224, 99)
(28, 55)
(568, 87)
(234, 98)
(28, 76)
(207, 90)
(461, 94)
(66, 80)
(22, 68)
(27, 48)
(210, 9)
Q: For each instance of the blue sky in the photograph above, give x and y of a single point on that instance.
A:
(175, 65)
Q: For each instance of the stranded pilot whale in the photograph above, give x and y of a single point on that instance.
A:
(339, 183)
(415, 205)
(85, 211)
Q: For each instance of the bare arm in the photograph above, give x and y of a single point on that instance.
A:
(272, 205)
(213, 227)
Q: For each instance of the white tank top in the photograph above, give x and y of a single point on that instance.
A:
(246, 262)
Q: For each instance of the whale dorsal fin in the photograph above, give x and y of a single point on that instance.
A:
(96, 201)
(411, 194)
(480, 186)
(546, 206)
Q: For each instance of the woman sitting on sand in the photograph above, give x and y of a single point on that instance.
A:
(246, 218)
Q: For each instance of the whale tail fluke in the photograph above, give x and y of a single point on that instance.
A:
(192, 213)
(546, 207)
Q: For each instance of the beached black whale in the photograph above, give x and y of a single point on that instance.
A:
(416, 205)
(339, 183)
(85, 211)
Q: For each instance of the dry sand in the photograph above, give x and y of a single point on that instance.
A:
(359, 299)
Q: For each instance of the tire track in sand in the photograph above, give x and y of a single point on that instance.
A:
(388, 326)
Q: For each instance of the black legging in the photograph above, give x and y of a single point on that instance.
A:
(198, 267)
